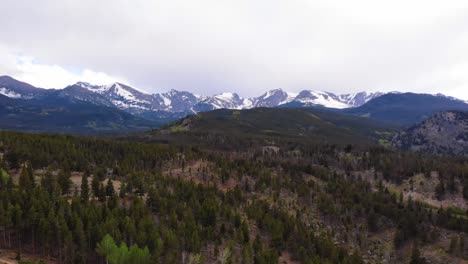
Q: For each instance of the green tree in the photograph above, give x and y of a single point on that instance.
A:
(106, 247)
(26, 179)
(64, 180)
(95, 183)
(84, 187)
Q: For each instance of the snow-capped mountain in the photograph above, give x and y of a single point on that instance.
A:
(126, 97)
(123, 101)
(326, 99)
(273, 98)
(178, 101)
(135, 101)
(224, 100)
(121, 95)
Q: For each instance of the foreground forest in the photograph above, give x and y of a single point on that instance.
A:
(211, 198)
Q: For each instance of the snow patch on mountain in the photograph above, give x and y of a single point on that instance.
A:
(310, 98)
(181, 101)
(358, 99)
(226, 100)
(100, 89)
(9, 93)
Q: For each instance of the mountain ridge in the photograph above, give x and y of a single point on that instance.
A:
(303, 124)
(126, 97)
(406, 109)
(400, 109)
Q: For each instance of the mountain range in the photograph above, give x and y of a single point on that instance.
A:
(88, 108)
(133, 100)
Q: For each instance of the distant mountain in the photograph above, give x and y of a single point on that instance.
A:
(310, 124)
(126, 97)
(273, 98)
(406, 109)
(15, 89)
(222, 101)
(74, 109)
(443, 133)
(135, 101)
(174, 104)
(403, 109)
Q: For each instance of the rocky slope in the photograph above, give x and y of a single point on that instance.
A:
(443, 133)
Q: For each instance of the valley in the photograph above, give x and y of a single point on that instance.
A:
(233, 132)
(263, 185)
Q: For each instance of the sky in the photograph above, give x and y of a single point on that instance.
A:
(243, 46)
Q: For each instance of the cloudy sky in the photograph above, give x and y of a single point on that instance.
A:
(245, 46)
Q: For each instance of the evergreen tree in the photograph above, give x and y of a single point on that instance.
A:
(110, 192)
(26, 179)
(95, 184)
(106, 247)
(84, 187)
(64, 181)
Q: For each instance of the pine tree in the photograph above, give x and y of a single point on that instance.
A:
(122, 191)
(64, 181)
(84, 188)
(102, 192)
(106, 247)
(95, 185)
(110, 192)
(10, 214)
(3, 221)
(26, 180)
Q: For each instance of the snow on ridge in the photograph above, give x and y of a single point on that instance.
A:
(119, 90)
(320, 98)
(179, 99)
(226, 96)
(9, 93)
(270, 93)
(125, 105)
(100, 89)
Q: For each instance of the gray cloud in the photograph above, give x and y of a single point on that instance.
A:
(210, 46)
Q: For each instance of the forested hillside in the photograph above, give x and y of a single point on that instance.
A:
(443, 133)
(304, 125)
(71, 199)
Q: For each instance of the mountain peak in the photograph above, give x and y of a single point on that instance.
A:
(13, 88)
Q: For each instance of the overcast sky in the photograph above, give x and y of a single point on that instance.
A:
(211, 46)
